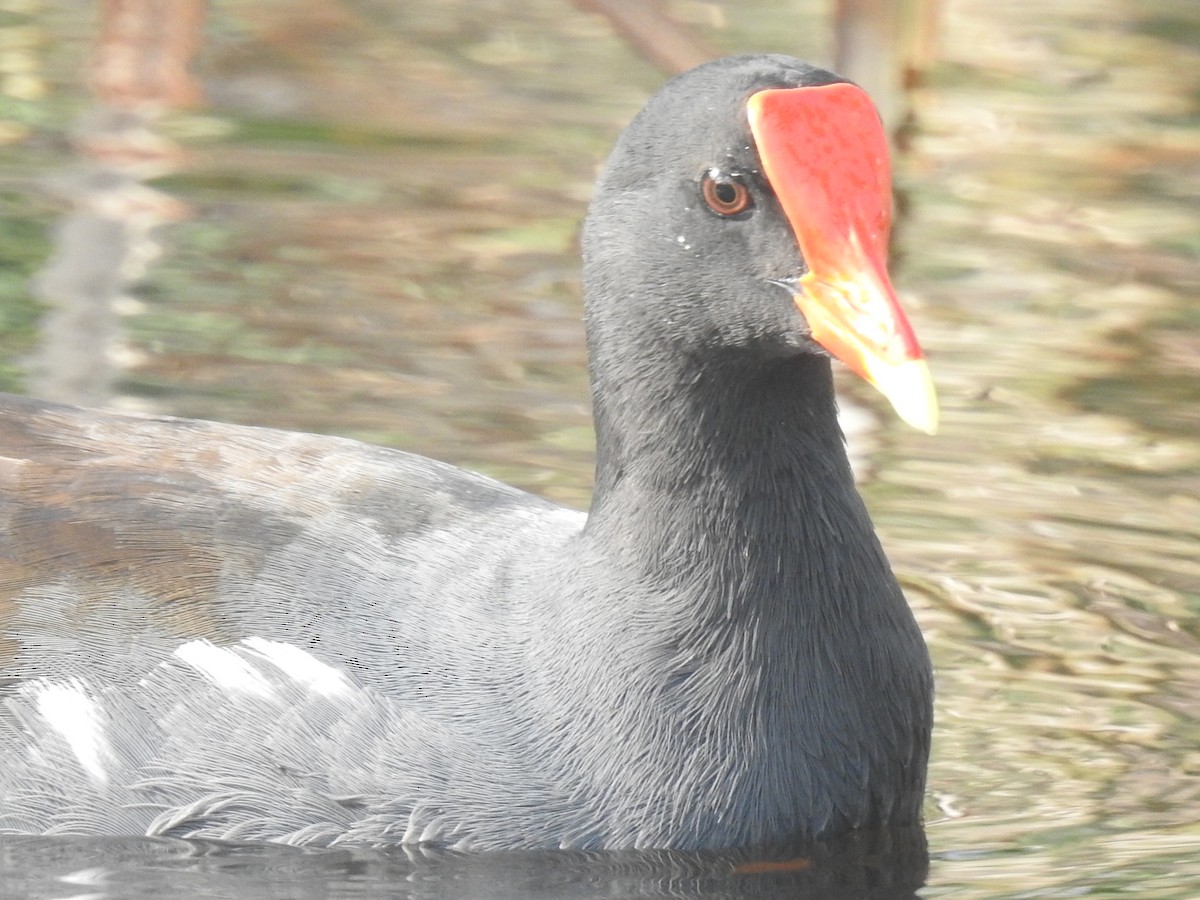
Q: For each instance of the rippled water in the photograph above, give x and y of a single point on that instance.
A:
(371, 232)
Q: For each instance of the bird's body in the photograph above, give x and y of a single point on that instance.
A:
(220, 631)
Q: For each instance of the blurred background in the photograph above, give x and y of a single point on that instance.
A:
(359, 217)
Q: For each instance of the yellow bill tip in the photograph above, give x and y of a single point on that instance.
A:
(908, 386)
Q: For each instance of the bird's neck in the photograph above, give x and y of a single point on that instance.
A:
(730, 595)
(731, 478)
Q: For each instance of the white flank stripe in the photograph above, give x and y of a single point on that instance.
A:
(224, 668)
(76, 717)
(302, 666)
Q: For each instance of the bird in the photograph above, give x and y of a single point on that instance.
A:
(211, 631)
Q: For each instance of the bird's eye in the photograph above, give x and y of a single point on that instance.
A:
(725, 195)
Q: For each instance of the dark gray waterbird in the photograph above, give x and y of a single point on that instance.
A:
(229, 632)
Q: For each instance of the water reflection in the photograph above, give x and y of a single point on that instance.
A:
(102, 246)
(870, 866)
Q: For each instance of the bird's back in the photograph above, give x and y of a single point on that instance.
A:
(183, 597)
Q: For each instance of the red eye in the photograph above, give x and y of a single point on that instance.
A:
(724, 195)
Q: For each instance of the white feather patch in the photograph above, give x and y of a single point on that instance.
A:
(225, 668)
(76, 717)
(302, 667)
